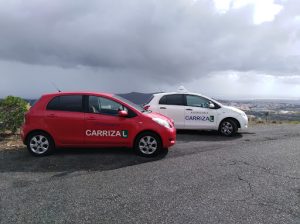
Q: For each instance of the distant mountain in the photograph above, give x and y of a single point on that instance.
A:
(137, 98)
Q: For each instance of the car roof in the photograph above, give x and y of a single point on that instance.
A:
(185, 93)
(164, 93)
(78, 93)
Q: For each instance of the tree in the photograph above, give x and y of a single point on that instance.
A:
(12, 110)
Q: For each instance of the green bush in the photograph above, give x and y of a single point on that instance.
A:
(12, 110)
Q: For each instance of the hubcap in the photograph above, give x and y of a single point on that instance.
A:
(148, 145)
(39, 144)
(227, 128)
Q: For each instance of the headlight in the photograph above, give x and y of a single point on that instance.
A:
(162, 122)
(243, 114)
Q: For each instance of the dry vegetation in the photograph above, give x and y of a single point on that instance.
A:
(255, 121)
(9, 142)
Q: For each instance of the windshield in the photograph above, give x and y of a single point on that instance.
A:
(135, 106)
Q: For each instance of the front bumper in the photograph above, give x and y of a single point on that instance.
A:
(244, 122)
(168, 137)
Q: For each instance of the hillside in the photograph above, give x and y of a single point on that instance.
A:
(138, 98)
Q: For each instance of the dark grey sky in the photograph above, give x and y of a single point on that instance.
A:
(221, 48)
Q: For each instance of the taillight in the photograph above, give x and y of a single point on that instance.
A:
(172, 121)
(146, 107)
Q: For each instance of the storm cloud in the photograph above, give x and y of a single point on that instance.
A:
(149, 41)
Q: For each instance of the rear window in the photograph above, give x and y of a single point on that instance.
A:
(71, 103)
(174, 99)
(149, 99)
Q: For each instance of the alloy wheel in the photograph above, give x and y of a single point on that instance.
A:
(148, 145)
(39, 144)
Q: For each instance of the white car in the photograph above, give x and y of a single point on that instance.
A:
(198, 112)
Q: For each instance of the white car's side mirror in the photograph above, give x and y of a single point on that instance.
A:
(211, 106)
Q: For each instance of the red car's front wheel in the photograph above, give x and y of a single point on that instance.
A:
(148, 144)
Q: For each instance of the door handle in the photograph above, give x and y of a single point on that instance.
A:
(189, 109)
(52, 115)
(162, 108)
(91, 118)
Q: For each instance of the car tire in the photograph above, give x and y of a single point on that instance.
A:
(228, 127)
(40, 144)
(148, 144)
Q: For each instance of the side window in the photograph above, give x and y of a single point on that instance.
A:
(103, 105)
(54, 104)
(174, 99)
(71, 103)
(197, 101)
(163, 100)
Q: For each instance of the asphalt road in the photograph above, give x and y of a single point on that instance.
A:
(251, 178)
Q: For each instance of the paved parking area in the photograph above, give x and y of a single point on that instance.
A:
(206, 178)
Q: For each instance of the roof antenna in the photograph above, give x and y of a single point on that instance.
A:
(58, 90)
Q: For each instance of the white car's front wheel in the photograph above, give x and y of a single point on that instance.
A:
(228, 127)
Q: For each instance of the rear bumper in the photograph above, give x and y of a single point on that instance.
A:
(168, 137)
(23, 133)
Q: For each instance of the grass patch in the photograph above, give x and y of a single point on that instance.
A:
(265, 122)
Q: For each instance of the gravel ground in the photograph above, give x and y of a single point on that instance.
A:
(253, 177)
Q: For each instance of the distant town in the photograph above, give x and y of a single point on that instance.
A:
(278, 110)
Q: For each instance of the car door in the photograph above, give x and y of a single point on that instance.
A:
(64, 119)
(198, 114)
(103, 125)
(172, 106)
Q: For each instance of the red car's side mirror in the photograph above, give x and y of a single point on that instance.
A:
(123, 113)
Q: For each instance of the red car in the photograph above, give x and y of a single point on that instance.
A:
(90, 119)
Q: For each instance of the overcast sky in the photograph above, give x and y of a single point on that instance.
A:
(229, 49)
